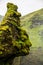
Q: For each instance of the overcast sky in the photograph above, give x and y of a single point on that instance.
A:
(24, 6)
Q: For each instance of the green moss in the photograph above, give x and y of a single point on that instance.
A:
(13, 39)
(1, 52)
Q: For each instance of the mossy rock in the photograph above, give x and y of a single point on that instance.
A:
(14, 41)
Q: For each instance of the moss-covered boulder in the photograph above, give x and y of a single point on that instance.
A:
(14, 41)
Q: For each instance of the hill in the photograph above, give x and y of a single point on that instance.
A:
(33, 23)
(1, 17)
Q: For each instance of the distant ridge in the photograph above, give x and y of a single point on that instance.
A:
(40, 10)
(1, 17)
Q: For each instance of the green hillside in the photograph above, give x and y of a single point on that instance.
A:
(1, 18)
(33, 23)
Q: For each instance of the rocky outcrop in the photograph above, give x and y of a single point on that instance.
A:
(14, 40)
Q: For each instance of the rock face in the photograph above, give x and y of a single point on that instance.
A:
(14, 40)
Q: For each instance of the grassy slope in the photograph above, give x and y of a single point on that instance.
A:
(1, 18)
(33, 23)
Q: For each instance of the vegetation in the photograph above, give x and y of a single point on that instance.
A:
(33, 24)
(14, 40)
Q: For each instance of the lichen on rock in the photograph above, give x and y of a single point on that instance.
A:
(14, 41)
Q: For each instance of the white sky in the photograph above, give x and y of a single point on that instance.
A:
(24, 6)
